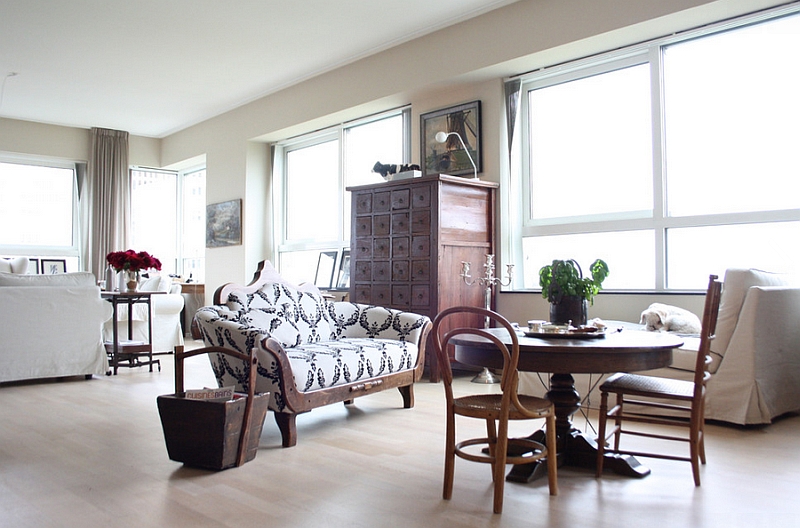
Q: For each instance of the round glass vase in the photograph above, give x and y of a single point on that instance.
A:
(131, 280)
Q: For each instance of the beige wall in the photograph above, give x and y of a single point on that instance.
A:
(68, 143)
(458, 64)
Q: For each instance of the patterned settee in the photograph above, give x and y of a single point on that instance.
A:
(311, 351)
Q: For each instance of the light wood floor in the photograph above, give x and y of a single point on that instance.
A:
(91, 453)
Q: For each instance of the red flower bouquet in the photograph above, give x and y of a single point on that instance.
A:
(132, 261)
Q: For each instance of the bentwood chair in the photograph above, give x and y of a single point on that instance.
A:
(496, 409)
(662, 401)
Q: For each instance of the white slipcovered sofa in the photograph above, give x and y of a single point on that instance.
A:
(756, 355)
(311, 352)
(52, 326)
(167, 307)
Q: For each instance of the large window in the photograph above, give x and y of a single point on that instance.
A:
(670, 160)
(38, 210)
(313, 209)
(168, 219)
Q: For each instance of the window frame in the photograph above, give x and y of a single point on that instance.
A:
(337, 133)
(71, 251)
(180, 176)
(659, 222)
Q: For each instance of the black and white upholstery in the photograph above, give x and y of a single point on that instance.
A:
(305, 343)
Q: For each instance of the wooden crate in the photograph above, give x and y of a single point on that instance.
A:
(208, 433)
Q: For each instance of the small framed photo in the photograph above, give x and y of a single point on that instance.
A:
(53, 266)
(33, 266)
(450, 157)
(343, 282)
(326, 268)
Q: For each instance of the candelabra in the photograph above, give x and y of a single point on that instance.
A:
(488, 281)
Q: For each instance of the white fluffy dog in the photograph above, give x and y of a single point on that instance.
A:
(665, 318)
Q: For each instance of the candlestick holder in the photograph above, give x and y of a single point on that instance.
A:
(488, 281)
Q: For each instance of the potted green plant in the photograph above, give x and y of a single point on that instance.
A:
(568, 291)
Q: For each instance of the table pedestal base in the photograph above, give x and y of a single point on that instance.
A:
(575, 449)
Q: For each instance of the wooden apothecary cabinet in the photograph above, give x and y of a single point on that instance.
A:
(409, 238)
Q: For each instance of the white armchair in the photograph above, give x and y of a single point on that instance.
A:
(166, 316)
(756, 355)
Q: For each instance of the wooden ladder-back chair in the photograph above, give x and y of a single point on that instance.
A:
(496, 409)
(685, 406)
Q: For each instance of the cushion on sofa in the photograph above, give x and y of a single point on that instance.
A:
(78, 279)
(305, 310)
(737, 282)
(15, 265)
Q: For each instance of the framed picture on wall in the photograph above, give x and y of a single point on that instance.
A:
(53, 266)
(224, 224)
(450, 157)
(33, 266)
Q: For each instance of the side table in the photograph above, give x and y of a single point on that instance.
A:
(129, 350)
(193, 298)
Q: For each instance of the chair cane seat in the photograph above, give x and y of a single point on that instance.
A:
(637, 384)
(488, 406)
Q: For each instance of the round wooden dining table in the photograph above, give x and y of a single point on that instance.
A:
(616, 350)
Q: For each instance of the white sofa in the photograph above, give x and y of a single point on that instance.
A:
(52, 326)
(755, 356)
(167, 307)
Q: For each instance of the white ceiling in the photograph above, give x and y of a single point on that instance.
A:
(153, 67)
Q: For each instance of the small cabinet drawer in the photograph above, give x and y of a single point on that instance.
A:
(380, 248)
(421, 246)
(381, 295)
(421, 197)
(400, 224)
(381, 271)
(420, 270)
(362, 293)
(401, 295)
(363, 248)
(363, 203)
(381, 202)
(400, 247)
(420, 295)
(421, 221)
(381, 225)
(400, 271)
(363, 271)
(401, 199)
(363, 226)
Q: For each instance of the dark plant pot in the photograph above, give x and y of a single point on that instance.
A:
(570, 308)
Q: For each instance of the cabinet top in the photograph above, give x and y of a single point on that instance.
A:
(458, 180)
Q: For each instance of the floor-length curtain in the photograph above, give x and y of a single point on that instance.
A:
(509, 194)
(107, 194)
